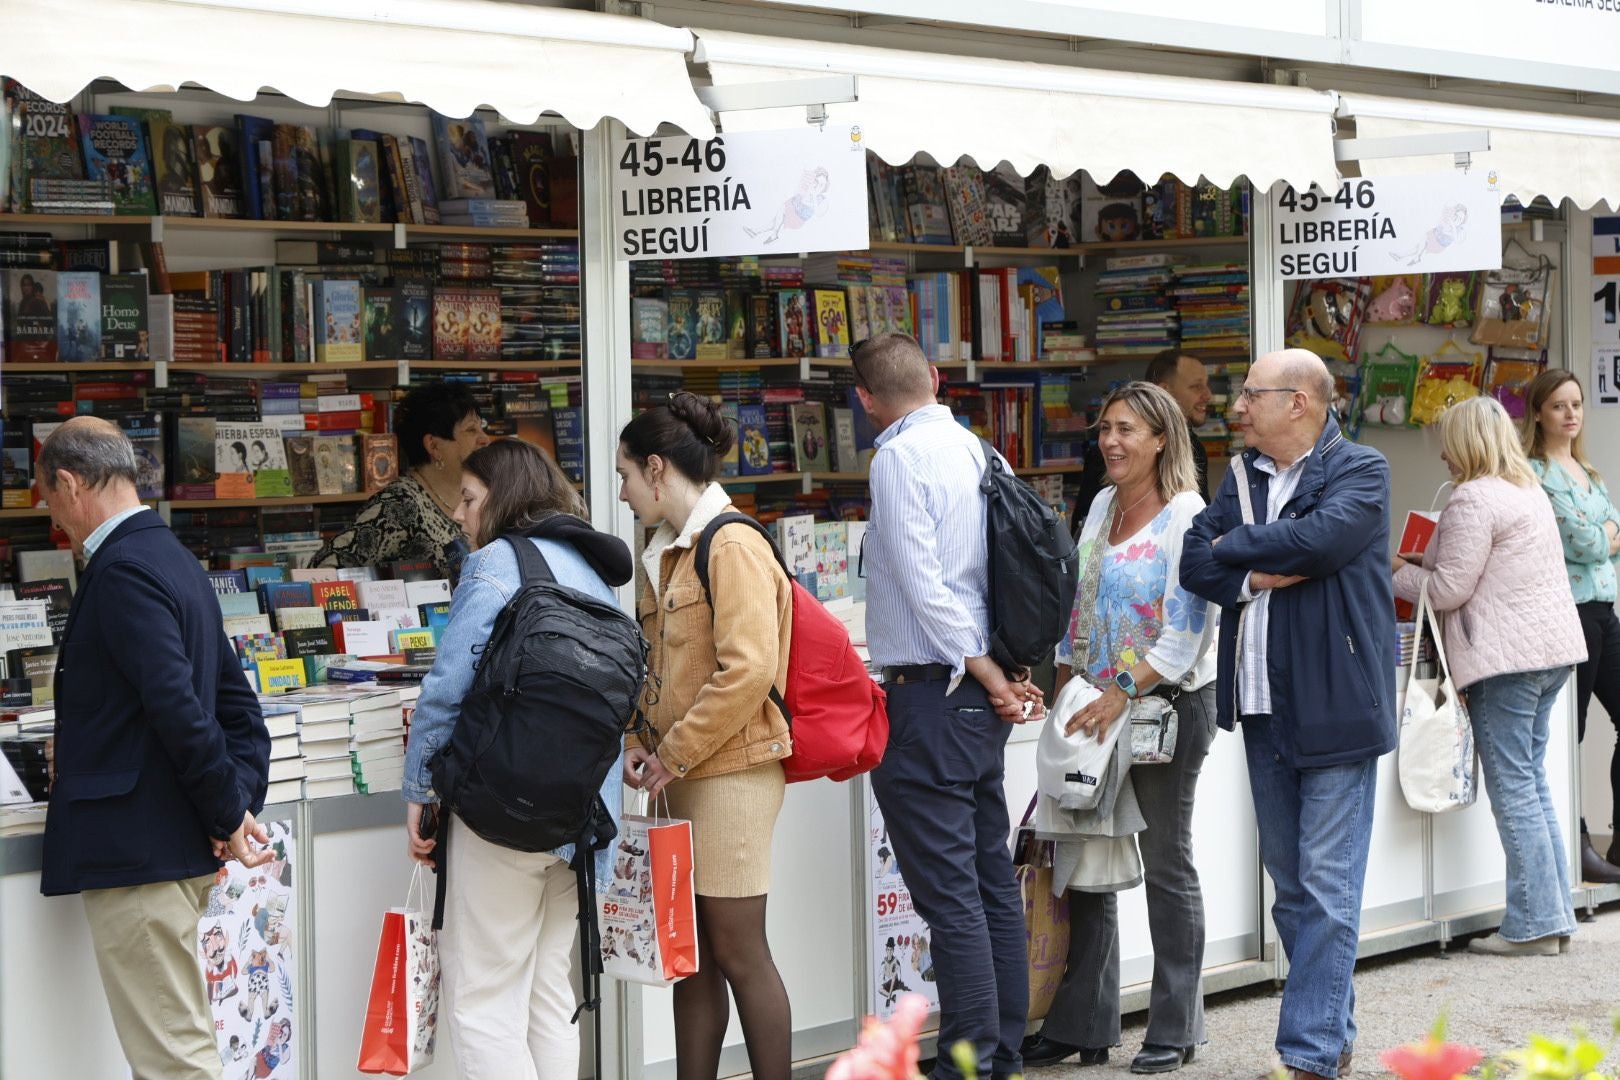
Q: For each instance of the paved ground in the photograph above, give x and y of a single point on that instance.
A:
(1492, 1004)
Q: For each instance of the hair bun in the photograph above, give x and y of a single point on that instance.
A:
(705, 419)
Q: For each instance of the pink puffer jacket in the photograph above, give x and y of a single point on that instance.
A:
(1495, 568)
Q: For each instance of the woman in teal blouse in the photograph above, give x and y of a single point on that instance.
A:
(1589, 526)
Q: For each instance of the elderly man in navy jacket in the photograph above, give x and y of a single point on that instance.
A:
(1307, 653)
(162, 756)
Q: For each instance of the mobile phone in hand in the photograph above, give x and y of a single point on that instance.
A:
(428, 827)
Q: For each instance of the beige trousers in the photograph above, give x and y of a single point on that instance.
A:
(145, 938)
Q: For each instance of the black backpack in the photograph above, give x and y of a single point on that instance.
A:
(1033, 568)
(557, 688)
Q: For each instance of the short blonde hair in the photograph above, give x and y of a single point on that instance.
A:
(1159, 411)
(1479, 440)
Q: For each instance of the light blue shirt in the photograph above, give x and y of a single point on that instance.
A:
(105, 529)
(489, 578)
(1254, 682)
(925, 555)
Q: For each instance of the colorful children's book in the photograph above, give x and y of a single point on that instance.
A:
(810, 452)
(753, 442)
(832, 560)
(115, 151)
(337, 315)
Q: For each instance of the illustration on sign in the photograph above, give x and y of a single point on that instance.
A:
(245, 945)
(750, 193)
(1397, 224)
(902, 959)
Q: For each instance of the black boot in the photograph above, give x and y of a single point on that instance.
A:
(1595, 867)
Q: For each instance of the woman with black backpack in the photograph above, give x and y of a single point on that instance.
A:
(510, 916)
(715, 742)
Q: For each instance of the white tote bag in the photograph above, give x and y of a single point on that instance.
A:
(1439, 767)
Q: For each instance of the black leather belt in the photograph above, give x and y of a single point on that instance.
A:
(915, 673)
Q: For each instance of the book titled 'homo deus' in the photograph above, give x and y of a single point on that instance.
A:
(123, 317)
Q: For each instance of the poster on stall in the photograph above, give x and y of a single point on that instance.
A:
(1393, 225)
(902, 957)
(1605, 385)
(748, 193)
(246, 948)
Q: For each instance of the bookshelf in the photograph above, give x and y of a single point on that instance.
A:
(158, 227)
(1120, 247)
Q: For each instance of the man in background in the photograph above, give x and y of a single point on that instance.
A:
(1186, 380)
(161, 755)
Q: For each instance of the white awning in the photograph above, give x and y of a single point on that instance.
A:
(1531, 153)
(1044, 114)
(451, 55)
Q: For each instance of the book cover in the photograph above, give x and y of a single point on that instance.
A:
(249, 462)
(300, 451)
(336, 472)
(434, 617)
(759, 335)
(234, 604)
(45, 138)
(965, 200)
(1415, 536)
(384, 334)
(58, 596)
(145, 432)
(845, 456)
(309, 641)
(115, 152)
(18, 477)
(311, 186)
(195, 476)
(796, 535)
(710, 328)
(1052, 215)
(383, 594)
(832, 322)
(450, 314)
(359, 181)
(1111, 213)
(810, 438)
(483, 324)
(832, 561)
(219, 170)
(228, 581)
(255, 152)
(1004, 206)
(649, 316)
(280, 676)
(681, 331)
(286, 594)
(124, 334)
(432, 590)
(531, 158)
(173, 168)
(753, 442)
(30, 322)
(78, 316)
(335, 595)
(337, 315)
(423, 161)
(792, 323)
(414, 322)
(263, 572)
(463, 157)
(381, 454)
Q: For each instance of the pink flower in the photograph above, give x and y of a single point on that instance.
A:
(1430, 1059)
(886, 1051)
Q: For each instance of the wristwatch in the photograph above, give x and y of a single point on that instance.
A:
(1126, 683)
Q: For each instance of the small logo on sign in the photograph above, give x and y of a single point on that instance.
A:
(855, 137)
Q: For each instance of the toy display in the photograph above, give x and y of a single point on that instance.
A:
(1512, 306)
(1326, 316)
(1395, 300)
(1386, 387)
(1452, 374)
(1507, 379)
(1451, 298)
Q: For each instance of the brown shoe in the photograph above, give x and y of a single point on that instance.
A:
(1344, 1063)
(1301, 1074)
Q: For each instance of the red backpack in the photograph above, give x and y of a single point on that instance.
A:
(834, 710)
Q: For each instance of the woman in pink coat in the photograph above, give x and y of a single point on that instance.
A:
(1495, 572)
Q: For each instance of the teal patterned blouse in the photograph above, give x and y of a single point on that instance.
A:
(1581, 516)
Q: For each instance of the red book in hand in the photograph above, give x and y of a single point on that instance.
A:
(1415, 537)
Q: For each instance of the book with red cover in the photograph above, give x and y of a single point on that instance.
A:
(1415, 537)
(335, 595)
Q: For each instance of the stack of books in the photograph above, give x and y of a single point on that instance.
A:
(377, 741)
(1136, 319)
(1212, 301)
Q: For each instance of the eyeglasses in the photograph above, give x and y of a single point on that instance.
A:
(1250, 393)
(860, 380)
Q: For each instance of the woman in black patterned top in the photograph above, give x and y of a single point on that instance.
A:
(411, 519)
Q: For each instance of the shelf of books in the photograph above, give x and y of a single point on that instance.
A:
(248, 298)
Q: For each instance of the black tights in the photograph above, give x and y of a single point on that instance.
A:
(1599, 676)
(732, 951)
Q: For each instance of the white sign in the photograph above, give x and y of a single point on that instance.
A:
(1566, 33)
(902, 957)
(749, 193)
(1393, 225)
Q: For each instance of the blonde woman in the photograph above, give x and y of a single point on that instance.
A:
(1494, 571)
(1137, 632)
(1589, 526)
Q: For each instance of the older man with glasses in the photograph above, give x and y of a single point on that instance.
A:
(1295, 550)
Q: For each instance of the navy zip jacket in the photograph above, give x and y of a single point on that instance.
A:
(1330, 646)
(160, 743)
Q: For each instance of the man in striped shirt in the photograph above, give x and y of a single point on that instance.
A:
(950, 706)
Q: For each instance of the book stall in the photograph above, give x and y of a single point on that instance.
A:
(572, 223)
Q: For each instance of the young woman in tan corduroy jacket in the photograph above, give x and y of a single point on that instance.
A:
(715, 742)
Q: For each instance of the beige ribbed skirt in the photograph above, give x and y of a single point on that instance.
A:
(733, 817)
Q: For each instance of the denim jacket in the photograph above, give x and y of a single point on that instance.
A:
(489, 578)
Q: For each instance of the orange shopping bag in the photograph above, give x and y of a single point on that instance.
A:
(647, 909)
(402, 1015)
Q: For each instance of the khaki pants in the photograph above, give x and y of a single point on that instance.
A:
(145, 938)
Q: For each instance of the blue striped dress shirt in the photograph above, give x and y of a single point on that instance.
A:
(925, 556)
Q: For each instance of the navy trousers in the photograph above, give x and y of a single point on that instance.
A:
(940, 789)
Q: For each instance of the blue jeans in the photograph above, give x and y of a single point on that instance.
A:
(940, 789)
(1315, 829)
(1510, 718)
